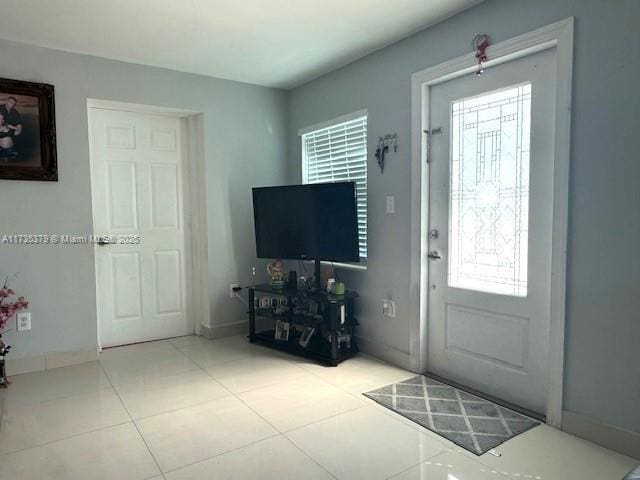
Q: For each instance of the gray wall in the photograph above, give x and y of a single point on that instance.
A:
(245, 145)
(603, 297)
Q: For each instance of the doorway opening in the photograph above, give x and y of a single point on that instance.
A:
(149, 217)
(489, 225)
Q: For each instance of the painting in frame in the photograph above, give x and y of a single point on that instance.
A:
(27, 131)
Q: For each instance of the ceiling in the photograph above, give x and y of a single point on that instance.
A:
(276, 43)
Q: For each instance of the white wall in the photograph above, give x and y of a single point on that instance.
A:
(245, 145)
(603, 283)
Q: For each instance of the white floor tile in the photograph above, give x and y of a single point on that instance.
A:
(300, 401)
(220, 351)
(134, 349)
(158, 395)
(272, 459)
(32, 388)
(365, 444)
(193, 434)
(254, 372)
(188, 340)
(30, 425)
(450, 466)
(546, 453)
(69, 423)
(113, 453)
(138, 363)
(359, 374)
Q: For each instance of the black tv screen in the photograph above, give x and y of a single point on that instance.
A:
(315, 222)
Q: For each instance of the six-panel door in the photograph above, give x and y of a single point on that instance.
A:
(137, 163)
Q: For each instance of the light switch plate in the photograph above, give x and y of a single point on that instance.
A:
(391, 204)
(389, 308)
(23, 321)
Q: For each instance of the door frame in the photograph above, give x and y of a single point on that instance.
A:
(195, 209)
(558, 35)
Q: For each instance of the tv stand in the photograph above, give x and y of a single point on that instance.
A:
(330, 316)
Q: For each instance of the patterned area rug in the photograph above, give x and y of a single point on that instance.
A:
(471, 422)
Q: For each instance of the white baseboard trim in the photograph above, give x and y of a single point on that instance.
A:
(224, 330)
(19, 366)
(608, 436)
(384, 352)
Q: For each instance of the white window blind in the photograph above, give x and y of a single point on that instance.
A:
(338, 153)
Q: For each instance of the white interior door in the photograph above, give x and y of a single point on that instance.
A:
(137, 170)
(490, 226)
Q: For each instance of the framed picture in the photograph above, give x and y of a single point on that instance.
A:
(27, 131)
(282, 331)
(265, 302)
(306, 336)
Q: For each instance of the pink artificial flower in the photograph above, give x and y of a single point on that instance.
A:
(9, 309)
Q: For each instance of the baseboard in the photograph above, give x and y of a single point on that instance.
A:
(224, 330)
(384, 352)
(608, 436)
(19, 366)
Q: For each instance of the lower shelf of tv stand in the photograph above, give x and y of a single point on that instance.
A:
(267, 339)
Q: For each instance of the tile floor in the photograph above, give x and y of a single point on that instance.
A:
(190, 408)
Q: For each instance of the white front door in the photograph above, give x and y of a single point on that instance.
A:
(136, 169)
(490, 226)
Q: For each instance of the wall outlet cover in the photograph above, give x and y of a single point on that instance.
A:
(391, 204)
(23, 321)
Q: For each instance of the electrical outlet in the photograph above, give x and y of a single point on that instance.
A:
(391, 204)
(23, 321)
(389, 308)
(232, 294)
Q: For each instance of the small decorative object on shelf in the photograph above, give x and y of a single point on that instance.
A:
(7, 310)
(275, 271)
(330, 283)
(308, 322)
(338, 288)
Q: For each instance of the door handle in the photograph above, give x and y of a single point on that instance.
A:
(433, 255)
(102, 242)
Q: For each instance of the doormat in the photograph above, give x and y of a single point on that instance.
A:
(473, 423)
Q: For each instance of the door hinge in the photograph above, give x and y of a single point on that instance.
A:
(428, 133)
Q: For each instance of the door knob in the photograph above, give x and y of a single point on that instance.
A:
(434, 255)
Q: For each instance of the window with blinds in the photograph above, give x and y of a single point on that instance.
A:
(339, 153)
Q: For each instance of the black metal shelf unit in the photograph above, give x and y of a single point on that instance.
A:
(331, 317)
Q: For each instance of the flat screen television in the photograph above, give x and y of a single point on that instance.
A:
(314, 222)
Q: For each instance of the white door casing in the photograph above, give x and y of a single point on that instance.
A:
(137, 182)
(558, 36)
(491, 203)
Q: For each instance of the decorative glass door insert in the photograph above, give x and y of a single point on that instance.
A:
(489, 192)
